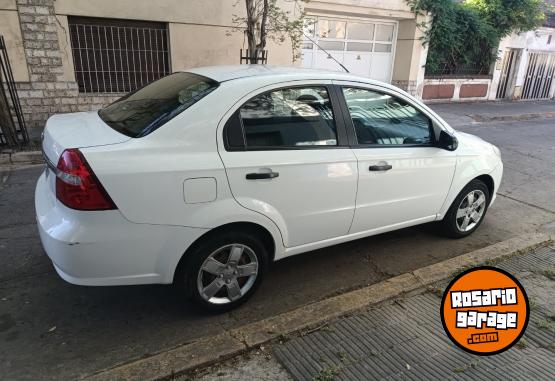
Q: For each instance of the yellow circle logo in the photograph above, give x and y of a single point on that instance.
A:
(485, 310)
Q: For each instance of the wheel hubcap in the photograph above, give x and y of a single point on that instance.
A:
(227, 274)
(471, 210)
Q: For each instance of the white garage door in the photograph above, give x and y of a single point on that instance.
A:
(364, 48)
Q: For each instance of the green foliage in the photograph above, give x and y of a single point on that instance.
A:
(509, 16)
(465, 36)
(267, 20)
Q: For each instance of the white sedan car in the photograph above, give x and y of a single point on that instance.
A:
(205, 177)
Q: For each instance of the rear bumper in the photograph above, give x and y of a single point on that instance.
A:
(103, 248)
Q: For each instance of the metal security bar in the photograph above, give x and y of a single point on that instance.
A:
(448, 69)
(117, 56)
(258, 57)
(539, 76)
(13, 131)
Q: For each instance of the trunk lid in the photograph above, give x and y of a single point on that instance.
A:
(77, 130)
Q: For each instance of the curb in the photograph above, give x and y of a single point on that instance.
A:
(206, 351)
(480, 118)
(21, 158)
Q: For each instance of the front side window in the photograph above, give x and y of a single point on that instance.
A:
(381, 119)
(148, 108)
(289, 118)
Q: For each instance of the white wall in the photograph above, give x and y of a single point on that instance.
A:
(533, 41)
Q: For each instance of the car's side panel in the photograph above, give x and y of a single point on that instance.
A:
(312, 199)
(414, 188)
(314, 196)
(103, 248)
(475, 158)
(145, 177)
(419, 178)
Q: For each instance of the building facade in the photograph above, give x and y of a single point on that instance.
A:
(79, 55)
(525, 67)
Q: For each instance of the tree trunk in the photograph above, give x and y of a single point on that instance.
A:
(262, 44)
(251, 28)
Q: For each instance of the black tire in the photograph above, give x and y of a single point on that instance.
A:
(449, 222)
(188, 275)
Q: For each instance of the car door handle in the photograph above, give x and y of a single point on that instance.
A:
(261, 176)
(380, 168)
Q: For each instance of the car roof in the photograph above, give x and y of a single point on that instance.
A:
(231, 72)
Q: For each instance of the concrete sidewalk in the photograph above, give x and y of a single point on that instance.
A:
(404, 339)
(462, 114)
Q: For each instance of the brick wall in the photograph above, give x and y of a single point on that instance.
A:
(47, 91)
(457, 89)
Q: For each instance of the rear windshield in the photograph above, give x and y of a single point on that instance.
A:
(143, 111)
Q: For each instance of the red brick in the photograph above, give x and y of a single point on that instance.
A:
(438, 91)
(474, 90)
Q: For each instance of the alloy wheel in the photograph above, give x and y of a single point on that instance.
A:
(227, 274)
(471, 210)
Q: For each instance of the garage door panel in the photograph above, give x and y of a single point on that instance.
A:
(323, 62)
(379, 62)
(365, 48)
(358, 63)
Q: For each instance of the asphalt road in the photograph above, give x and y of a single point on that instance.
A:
(50, 329)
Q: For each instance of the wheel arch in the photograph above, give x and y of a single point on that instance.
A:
(488, 180)
(266, 237)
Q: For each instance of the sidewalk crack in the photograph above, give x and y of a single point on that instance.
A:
(526, 203)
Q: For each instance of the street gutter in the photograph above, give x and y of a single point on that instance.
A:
(207, 351)
(481, 118)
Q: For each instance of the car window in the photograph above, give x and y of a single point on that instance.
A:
(386, 120)
(293, 117)
(143, 111)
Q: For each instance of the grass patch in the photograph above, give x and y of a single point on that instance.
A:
(327, 374)
(437, 291)
(548, 325)
(549, 273)
(473, 365)
(533, 303)
(522, 344)
(344, 358)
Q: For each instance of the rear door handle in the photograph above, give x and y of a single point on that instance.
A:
(381, 167)
(261, 176)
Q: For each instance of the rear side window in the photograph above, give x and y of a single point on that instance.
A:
(289, 118)
(143, 111)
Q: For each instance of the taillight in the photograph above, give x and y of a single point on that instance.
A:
(76, 185)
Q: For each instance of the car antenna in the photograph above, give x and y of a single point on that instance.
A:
(329, 55)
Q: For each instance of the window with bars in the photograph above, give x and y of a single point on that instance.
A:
(117, 56)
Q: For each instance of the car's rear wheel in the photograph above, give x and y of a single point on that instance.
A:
(467, 211)
(224, 271)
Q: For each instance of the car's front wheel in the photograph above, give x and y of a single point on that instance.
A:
(225, 270)
(467, 211)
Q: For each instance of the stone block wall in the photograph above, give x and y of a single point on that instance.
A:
(410, 87)
(48, 92)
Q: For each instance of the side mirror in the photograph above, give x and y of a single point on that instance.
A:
(447, 141)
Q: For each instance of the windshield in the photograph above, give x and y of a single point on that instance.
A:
(143, 111)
